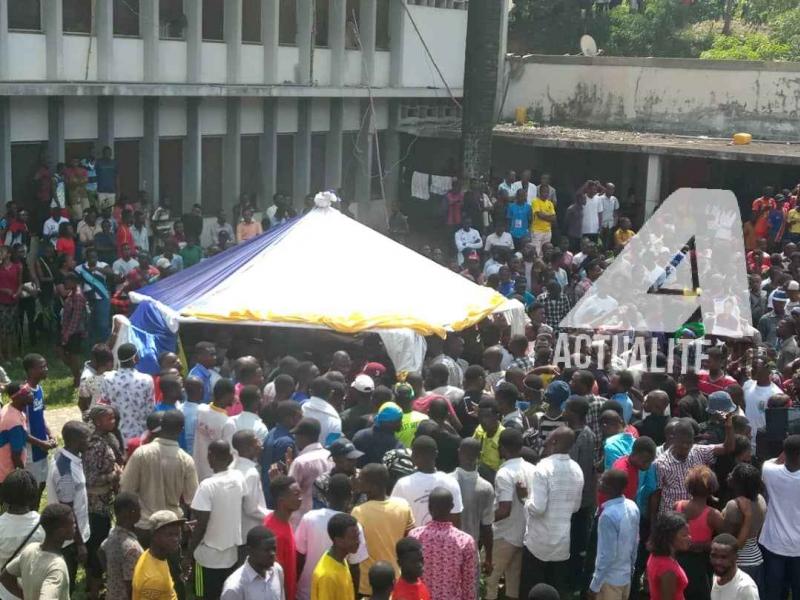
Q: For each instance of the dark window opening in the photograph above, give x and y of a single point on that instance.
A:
(211, 187)
(284, 183)
(126, 17)
(318, 182)
(213, 20)
(349, 165)
(287, 23)
(126, 152)
(172, 20)
(24, 15)
(382, 25)
(251, 21)
(170, 173)
(321, 20)
(25, 161)
(77, 15)
(251, 167)
(375, 176)
(351, 32)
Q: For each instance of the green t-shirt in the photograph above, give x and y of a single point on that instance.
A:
(191, 255)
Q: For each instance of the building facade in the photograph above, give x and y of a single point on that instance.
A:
(203, 100)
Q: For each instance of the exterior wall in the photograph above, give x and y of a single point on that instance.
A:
(678, 96)
(445, 33)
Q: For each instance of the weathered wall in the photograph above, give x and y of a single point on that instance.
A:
(680, 96)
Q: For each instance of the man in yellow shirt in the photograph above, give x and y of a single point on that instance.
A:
(488, 432)
(544, 215)
(623, 234)
(331, 579)
(151, 577)
(793, 223)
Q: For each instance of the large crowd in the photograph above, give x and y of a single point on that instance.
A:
(497, 471)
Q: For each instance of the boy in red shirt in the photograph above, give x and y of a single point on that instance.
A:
(410, 585)
(285, 492)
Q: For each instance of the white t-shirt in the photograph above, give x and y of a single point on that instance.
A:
(254, 506)
(533, 191)
(212, 425)
(504, 240)
(312, 539)
(741, 587)
(610, 205)
(512, 528)
(122, 267)
(781, 531)
(417, 487)
(218, 495)
(755, 403)
(591, 215)
(13, 530)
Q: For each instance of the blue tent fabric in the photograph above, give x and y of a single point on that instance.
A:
(151, 335)
(184, 287)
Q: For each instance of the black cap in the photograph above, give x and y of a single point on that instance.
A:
(344, 447)
(307, 427)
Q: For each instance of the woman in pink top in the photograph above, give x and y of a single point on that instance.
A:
(704, 523)
(665, 577)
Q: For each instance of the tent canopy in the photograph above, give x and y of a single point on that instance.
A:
(325, 270)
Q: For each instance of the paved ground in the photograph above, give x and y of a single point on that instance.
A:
(58, 416)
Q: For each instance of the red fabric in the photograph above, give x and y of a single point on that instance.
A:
(286, 554)
(656, 567)
(403, 590)
(624, 464)
(236, 408)
(124, 236)
(709, 386)
(699, 529)
(9, 280)
(454, 202)
(423, 404)
(65, 246)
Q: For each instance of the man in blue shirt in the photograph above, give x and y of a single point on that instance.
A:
(278, 441)
(35, 366)
(206, 357)
(617, 539)
(520, 216)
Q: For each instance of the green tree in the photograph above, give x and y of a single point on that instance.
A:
(748, 46)
(554, 26)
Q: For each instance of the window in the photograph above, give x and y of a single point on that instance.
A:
(287, 23)
(375, 179)
(321, 19)
(350, 165)
(318, 182)
(24, 15)
(77, 16)
(251, 167)
(285, 167)
(172, 20)
(126, 152)
(251, 21)
(213, 20)
(351, 33)
(25, 161)
(126, 18)
(382, 25)
(170, 169)
(211, 187)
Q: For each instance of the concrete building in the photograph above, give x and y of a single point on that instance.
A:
(203, 100)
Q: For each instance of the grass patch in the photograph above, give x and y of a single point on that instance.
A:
(58, 390)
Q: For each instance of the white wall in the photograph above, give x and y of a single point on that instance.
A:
(28, 119)
(252, 63)
(213, 66)
(128, 64)
(27, 56)
(128, 117)
(320, 114)
(681, 96)
(445, 32)
(252, 115)
(172, 117)
(172, 61)
(80, 58)
(213, 117)
(80, 118)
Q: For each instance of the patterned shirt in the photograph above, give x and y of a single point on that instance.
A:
(73, 316)
(132, 393)
(522, 362)
(121, 550)
(99, 461)
(671, 474)
(451, 561)
(593, 422)
(555, 309)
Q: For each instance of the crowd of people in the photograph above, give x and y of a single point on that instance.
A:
(498, 470)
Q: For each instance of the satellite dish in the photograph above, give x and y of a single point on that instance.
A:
(588, 46)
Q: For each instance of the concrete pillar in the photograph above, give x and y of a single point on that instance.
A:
(501, 61)
(150, 149)
(55, 129)
(149, 30)
(105, 122)
(337, 27)
(397, 24)
(5, 148)
(367, 19)
(232, 153)
(268, 150)
(194, 40)
(333, 144)
(305, 41)
(53, 21)
(302, 151)
(233, 39)
(655, 171)
(363, 151)
(390, 158)
(270, 17)
(104, 29)
(3, 40)
(192, 156)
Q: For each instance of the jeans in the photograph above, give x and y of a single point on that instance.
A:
(780, 573)
(539, 571)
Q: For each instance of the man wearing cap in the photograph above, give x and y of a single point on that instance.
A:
(311, 462)
(151, 577)
(357, 417)
(467, 238)
(768, 324)
(376, 371)
(377, 440)
(344, 457)
(555, 396)
(130, 391)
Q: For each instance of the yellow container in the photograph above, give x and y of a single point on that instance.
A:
(742, 139)
(521, 115)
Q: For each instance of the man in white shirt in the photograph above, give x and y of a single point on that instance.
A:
(467, 238)
(730, 582)
(500, 238)
(213, 423)
(554, 496)
(524, 183)
(218, 533)
(757, 392)
(509, 514)
(248, 419)
(140, 232)
(312, 461)
(780, 535)
(317, 407)
(125, 263)
(592, 215)
(417, 487)
(610, 215)
(260, 576)
(254, 508)
(507, 184)
(51, 225)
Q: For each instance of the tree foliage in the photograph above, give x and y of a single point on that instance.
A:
(749, 46)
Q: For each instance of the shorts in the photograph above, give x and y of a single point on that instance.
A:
(105, 200)
(74, 344)
(38, 469)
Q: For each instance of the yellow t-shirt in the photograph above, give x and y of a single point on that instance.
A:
(151, 579)
(543, 206)
(793, 220)
(623, 236)
(331, 580)
(490, 447)
(384, 523)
